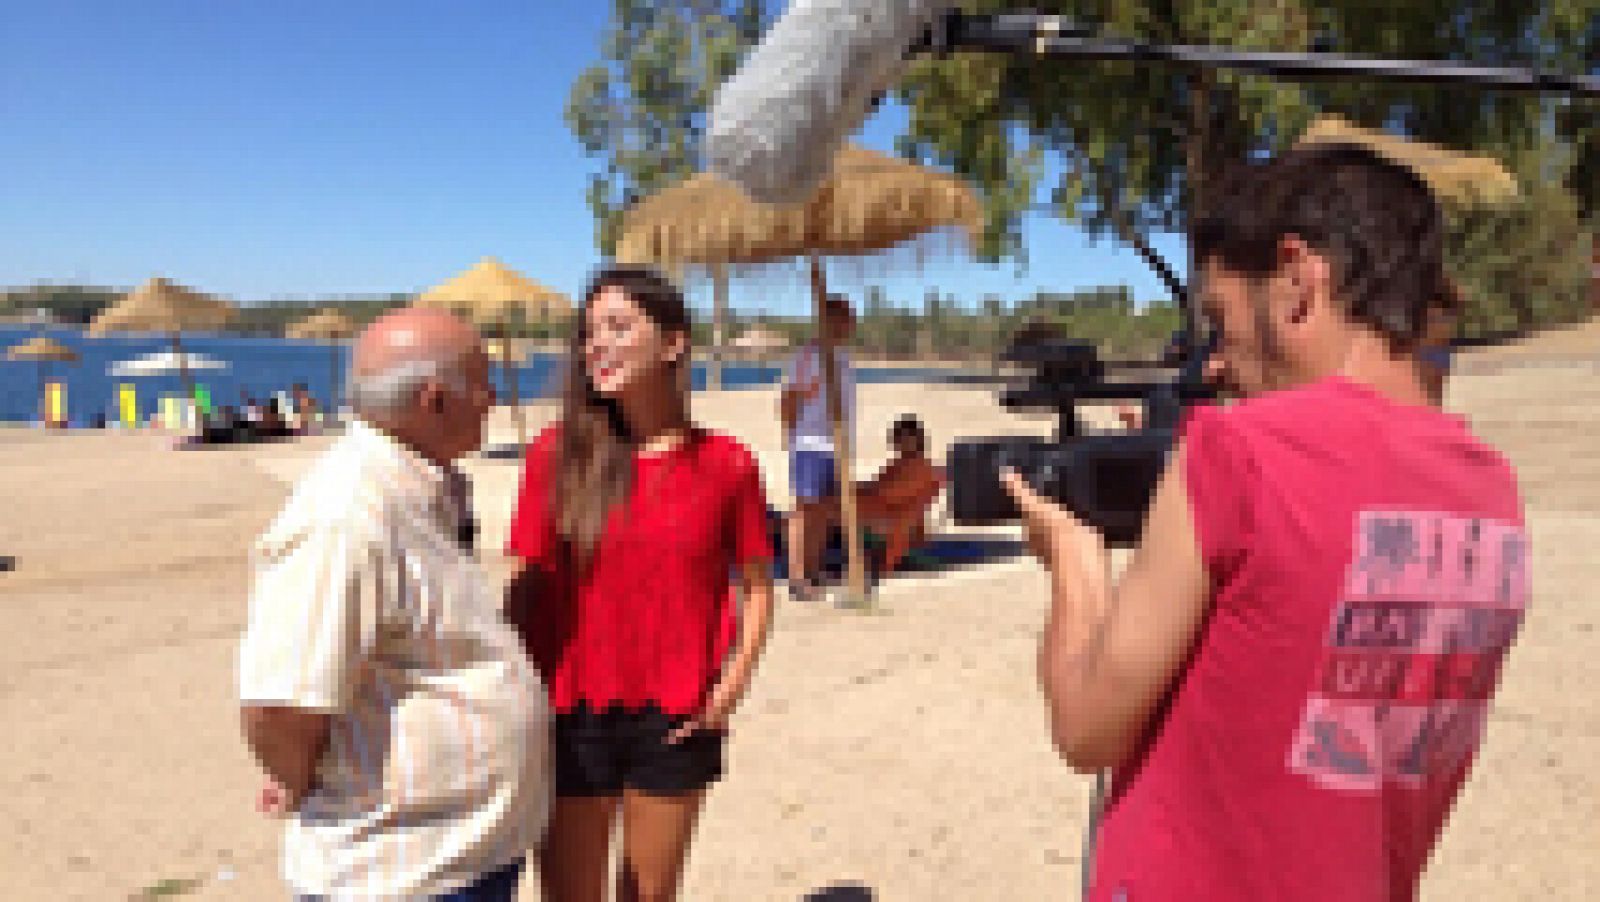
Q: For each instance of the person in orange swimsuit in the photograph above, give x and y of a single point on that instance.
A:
(895, 502)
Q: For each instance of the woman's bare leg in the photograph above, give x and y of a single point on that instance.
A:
(576, 856)
(656, 830)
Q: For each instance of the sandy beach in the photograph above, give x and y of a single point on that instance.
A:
(902, 751)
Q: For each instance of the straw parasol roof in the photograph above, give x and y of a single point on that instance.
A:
(1456, 177)
(163, 306)
(492, 293)
(326, 324)
(759, 339)
(42, 349)
(706, 220)
(870, 202)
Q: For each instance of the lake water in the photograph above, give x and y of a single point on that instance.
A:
(261, 366)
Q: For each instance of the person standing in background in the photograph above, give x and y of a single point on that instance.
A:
(813, 457)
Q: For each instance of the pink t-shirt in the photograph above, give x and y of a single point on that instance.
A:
(1369, 570)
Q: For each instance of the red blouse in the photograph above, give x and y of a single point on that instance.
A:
(649, 623)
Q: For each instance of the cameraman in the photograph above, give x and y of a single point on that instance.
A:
(1290, 679)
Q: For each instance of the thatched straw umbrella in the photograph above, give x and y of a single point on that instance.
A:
(869, 203)
(41, 350)
(757, 341)
(495, 296)
(329, 325)
(705, 223)
(326, 324)
(163, 306)
(1457, 178)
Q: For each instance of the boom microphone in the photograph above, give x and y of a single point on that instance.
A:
(777, 123)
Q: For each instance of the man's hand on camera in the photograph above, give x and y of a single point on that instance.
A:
(1058, 538)
(1109, 652)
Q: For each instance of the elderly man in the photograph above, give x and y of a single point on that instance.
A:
(402, 729)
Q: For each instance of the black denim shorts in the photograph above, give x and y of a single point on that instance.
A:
(601, 753)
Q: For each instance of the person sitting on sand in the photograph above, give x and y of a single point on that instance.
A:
(895, 502)
(249, 408)
(271, 423)
(305, 408)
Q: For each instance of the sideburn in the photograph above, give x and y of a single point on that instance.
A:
(1269, 346)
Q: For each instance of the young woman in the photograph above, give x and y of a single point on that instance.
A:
(634, 527)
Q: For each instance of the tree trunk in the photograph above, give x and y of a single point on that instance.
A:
(333, 387)
(509, 362)
(843, 445)
(183, 370)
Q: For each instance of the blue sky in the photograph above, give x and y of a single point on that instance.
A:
(299, 148)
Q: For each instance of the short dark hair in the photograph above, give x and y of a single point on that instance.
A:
(907, 426)
(838, 306)
(1376, 221)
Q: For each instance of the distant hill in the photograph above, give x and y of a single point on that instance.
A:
(66, 303)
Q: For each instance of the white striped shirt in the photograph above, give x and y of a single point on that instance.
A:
(437, 769)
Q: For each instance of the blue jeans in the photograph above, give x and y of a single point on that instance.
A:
(498, 886)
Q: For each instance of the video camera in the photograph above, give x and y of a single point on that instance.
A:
(1106, 478)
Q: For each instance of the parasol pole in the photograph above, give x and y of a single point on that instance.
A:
(719, 322)
(183, 369)
(333, 387)
(843, 450)
(507, 360)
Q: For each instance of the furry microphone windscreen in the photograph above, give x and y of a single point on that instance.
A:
(776, 124)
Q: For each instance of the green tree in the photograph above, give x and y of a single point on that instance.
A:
(68, 303)
(1522, 266)
(1089, 139)
(642, 107)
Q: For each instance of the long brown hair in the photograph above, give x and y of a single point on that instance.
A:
(594, 472)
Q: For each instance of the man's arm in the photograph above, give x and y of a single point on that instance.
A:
(1110, 652)
(802, 384)
(313, 620)
(287, 742)
(528, 583)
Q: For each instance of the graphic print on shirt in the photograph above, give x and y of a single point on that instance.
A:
(1429, 607)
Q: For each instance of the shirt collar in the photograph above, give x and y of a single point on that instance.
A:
(413, 474)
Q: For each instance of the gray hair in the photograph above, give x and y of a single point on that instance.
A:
(388, 391)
